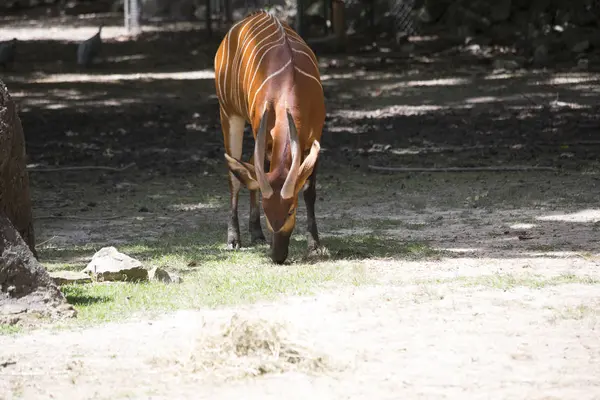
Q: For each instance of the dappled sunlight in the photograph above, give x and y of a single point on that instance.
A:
(553, 254)
(393, 94)
(569, 79)
(569, 105)
(193, 207)
(524, 255)
(127, 58)
(53, 104)
(584, 216)
(512, 75)
(115, 78)
(482, 99)
(522, 226)
(459, 249)
(390, 111)
(73, 29)
(426, 83)
(363, 75)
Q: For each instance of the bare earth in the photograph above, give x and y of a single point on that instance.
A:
(512, 310)
(424, 341)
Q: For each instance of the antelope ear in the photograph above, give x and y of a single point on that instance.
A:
(243, 171)
(308, 165)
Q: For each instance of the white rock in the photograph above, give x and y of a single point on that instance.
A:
(108, 264)
(67, 277)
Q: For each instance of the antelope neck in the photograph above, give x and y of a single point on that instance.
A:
(281, 155)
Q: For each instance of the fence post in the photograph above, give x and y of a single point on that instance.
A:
(208, 18)
(300, 17)
(132, 12)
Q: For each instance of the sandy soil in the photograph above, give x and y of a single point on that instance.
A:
(389, 341)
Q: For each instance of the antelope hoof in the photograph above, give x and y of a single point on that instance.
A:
(233, 244)
(258, 238)
(313, 246)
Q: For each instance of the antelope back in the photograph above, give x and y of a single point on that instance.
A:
(259, 61)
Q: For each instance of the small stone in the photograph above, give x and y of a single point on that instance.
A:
(67, 277)
(159, 274)
(175, 278)
(12, 309)
(407, 48)
(583, 64)
(464, 31)
(506, 64)
(401, 37)
(474, 49)
(581, 47)
(540, 55)
(501, 10)
(424, 16)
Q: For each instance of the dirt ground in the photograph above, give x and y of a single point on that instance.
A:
(511, 310)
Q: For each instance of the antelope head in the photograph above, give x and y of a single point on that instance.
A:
(280, 186)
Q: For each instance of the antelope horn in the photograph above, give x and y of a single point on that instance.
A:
(259, 156)
(289, 186)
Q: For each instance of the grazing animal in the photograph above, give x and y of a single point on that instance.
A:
(89, 49)
(268, 76)
(8, 50)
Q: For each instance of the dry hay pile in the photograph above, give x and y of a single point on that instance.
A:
(252, 347)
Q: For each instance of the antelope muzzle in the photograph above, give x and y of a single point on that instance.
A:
(279, 247)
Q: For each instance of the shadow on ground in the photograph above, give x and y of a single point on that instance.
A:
(151, 102)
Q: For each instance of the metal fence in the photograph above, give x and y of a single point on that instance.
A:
(403, 16)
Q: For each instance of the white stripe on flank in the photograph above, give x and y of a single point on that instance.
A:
(239, 79)
(225, 59)
(223, 110)
(274, 74)
(243, 44)
(308, 75)
(255, 51)
(275, 45)
(307, 55)
(254, 54)
(226, 50)
(255, 39)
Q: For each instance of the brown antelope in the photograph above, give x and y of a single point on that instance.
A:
(267, 75)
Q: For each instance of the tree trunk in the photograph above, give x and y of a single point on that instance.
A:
(15, 202)
(339, 24)
(26, 290)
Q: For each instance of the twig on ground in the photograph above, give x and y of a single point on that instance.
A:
(463, 169)
(81, 168)
(6, 363)
(80, 218)
(45, 241)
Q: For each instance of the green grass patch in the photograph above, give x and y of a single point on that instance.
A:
(211, 286)
(375, 246)
(213, 276)
(10, 329)
(579, 312)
